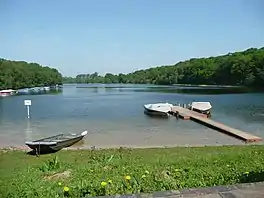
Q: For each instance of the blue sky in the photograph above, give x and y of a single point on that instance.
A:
(116, 36)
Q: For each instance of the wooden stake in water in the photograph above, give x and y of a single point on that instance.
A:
(28, 104)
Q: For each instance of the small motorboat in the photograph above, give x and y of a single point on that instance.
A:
(158, 109)
(46, 89)
(7, 92)
(55, 143)
(201, 107)
(23, 91)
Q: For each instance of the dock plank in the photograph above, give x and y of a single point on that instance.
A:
(182, 115)
(202, 118)
(186, 112)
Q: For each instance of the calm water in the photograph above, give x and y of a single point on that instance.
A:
(113, 115)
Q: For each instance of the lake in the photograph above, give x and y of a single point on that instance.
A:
(114, 115)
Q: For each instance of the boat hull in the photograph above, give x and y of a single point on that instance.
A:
(42, 148)
(54, 143)
(5, 93)
(66, 143)
(201, 107)
(202, 111)
(155, 113)
(205, 112)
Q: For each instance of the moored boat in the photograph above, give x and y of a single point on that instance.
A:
(7, 92)
(33, 90)
(46, 88)
(23, 91)
(56, 87)
(201, 107)
(55, 143)
(158, 109)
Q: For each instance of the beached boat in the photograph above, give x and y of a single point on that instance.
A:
(55, 143)
(7, 92)
(158, 109)
(201, 107)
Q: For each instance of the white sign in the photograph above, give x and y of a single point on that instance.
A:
(27, 102)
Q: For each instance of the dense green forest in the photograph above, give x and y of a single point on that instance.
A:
(239, 68)
(20, 74)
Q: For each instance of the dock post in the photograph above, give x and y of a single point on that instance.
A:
(177, 115)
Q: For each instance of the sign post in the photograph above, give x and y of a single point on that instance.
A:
(27, 103)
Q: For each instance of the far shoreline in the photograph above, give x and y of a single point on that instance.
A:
(208, 85)
(183, 85)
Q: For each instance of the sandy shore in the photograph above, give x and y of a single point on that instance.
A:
(27, 149)
(115, 140)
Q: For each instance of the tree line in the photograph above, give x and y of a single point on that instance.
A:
(239, 68)
(20, 74)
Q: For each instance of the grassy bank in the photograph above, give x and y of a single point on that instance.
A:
(91, 173)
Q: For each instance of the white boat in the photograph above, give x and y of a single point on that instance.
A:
(201, 107)
(158, 109)
(23, 91)
(7, 92)
(46, 88)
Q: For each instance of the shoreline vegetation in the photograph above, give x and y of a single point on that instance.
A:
(20, 74)
(86, 173)
(243, 68)
(238, 69)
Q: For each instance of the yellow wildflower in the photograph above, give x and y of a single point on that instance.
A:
(59, 183)
(110, 181)
(177, 170)
(127, 177)
(146, 172)
(66, 189)
(246, 173)
(103, 184)
(143, 176)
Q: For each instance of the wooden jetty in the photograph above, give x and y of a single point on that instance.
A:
(187, 114)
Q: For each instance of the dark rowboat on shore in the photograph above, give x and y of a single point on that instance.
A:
(55, 143)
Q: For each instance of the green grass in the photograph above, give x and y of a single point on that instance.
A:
(92, 173)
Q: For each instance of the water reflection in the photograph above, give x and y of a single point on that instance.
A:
(208, 90)
(155, 117)
(28, 130)
(199, 90)
(55, 91)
